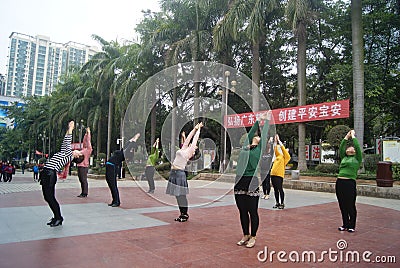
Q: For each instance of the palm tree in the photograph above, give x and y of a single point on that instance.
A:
(106, 65)
(358, 68)
(253, 16)
(299, 13)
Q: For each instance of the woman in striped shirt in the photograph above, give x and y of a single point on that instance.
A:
(48, 176)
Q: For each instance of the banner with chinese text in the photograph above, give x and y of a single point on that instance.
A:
(313, 112)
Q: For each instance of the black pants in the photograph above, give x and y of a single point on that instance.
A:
(149, 173)
(266, 182)
(35, 176)
(48, 179)
(82, 175)
(111, 178)
(248, 210)
(183, 204)
(277, 183)
(346, 193)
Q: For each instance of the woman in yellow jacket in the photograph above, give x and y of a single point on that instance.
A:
(278, 172)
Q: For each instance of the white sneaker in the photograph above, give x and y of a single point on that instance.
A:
(251, 242)
(266, 196)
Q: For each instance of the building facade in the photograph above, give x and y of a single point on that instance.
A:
(36, 64)
(2, 84)
(8, 101)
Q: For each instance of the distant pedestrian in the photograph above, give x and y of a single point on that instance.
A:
(282, 158)
(246, 187)
(150, 165)
(346, 191)
(265, 168)
(1, 170)
(23, 167)
(35, 170)
(10, 170)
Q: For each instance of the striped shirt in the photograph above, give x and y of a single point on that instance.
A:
(60, 159)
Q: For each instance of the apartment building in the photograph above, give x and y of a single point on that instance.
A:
(36, 64)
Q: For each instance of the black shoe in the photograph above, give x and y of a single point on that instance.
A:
(277, 205)
(182, 218)
(52, 220)
(281, 206)
(341, 228)
(115, 205)
(150, 191)
(57, 222)
(82, 195)
(351, 230)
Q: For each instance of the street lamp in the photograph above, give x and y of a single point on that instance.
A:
(80, 133)
(43, 137)
(225, 114)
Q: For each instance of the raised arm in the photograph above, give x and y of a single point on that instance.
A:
(66, 144)
(266, 117)
(87, 139)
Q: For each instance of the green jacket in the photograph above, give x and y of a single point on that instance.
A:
(153, 157)
(349, 164)
(248, 158)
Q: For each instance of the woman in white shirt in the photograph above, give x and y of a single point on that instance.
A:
(177, 182)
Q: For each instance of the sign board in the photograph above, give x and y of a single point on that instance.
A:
(391, 150)
(307, 149)
(313, 112)
(315, 152)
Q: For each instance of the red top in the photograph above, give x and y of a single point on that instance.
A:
(86, 151)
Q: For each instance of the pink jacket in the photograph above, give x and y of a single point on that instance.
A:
(86, 151)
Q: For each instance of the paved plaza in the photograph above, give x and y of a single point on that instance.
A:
(142, 231)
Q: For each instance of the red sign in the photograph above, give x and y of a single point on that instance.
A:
(316, 153)
(313, 112)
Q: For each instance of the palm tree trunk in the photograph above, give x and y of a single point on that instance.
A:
(301, 84)
(173, 123)
(358, 68)
(98, 136)
(110, 120)
(255, 76)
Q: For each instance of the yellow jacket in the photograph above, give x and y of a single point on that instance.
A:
(281, 160)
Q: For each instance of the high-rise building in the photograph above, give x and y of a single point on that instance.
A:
(35, 64)
(2, 84)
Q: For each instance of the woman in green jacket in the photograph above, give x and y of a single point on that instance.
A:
(150, 166)
(246, 182)
(346, 191)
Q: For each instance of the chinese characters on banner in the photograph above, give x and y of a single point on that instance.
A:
(313, 112)
(315, 152)
(307, 149)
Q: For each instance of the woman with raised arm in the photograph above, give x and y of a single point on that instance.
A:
(177, 182)
(48, 176)
(282, 158)
(246, 182)
(346, 191)
(150, 165)
(112, 168)
(83, 167)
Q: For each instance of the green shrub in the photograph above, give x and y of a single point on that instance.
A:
(163, 166)
(371, 162)
(396, 171)
(328, 168)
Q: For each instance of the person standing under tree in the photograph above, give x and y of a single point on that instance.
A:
(282, 158)
(150, 165)
(265, 168)
(112, 169)
(83, 167)
(48, 176)
(346, 191)
(246, 187)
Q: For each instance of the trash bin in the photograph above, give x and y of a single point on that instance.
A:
(384, 175)
(295, 174)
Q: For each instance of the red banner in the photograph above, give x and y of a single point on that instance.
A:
(313, 112)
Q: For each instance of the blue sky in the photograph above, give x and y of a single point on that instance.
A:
(72, 20)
